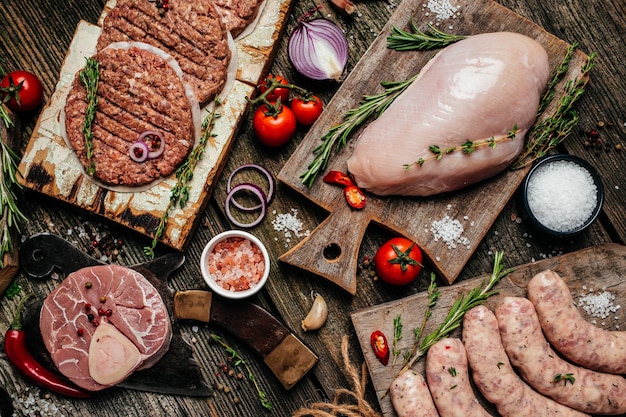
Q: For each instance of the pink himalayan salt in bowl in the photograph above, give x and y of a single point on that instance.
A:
(235, 264)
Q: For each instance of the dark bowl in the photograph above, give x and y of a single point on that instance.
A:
(557, 205)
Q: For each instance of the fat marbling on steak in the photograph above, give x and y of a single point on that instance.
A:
(112, 295)
(138, 90)
(192, 31)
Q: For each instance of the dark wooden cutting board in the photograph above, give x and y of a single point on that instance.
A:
(50, 166)
(587, 271)
(476, 208)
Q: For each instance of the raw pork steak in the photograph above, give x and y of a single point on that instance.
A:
(477, 89)
(113, 296)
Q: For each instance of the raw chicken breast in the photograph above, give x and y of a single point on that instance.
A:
(476, 89)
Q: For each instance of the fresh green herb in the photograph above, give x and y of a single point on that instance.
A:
(10, 215)
(397, 335)
(238, 360)
(500, 365)
(433, 296)
(452, 371)
(453, 386)
(463, 303)
(467, 147)
(3, 111)
(13, 290)
(547, 134)
(565, 378)
(90, 77)
(432, 38)
(179, 194)
(337, 136)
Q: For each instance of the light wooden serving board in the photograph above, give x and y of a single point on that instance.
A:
(588, 271)
(476, 207)
(49, 166)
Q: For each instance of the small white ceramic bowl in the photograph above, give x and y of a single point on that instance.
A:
(217, 288)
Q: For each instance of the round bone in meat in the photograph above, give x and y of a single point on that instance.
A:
(111, 294)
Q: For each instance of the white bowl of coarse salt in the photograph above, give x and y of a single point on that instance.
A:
(235, 264)
(562, 195)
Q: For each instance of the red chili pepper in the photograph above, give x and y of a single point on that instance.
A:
(17, 352)
(380, 346)
(354, 196)
(337, 178)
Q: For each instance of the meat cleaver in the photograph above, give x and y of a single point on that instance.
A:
(288, 358)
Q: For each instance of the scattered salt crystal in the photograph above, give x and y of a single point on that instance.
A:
(443, 9)
(599, 305)
(289, 223)
(450, 231)
(562, 195)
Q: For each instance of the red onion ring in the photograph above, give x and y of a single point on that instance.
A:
(150, 134)
(270, 190)
(139, 146)
(257, 192)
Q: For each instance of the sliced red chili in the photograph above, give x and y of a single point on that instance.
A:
(380, 346)
(19, 355)
(338, 178)
(354, 196)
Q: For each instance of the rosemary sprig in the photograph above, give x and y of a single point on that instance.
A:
(463, 303)
(10, 215)
(397, 335)
(90, 77)
(265, 402)
(432, 38)
(546, 135)
(467, 147)
(433, 296)
(337, 136)
(179, 194)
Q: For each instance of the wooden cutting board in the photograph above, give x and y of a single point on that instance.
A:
(49, 166)
(476, 208)
(588, 271)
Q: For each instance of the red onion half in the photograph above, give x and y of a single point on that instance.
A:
(318, 49)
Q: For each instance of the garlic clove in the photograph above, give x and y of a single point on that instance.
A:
(317, 315)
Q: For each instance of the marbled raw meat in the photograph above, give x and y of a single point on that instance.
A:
(476, 89)
(136, 310)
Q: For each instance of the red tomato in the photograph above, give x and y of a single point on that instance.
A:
(273, 96)
(21, 91)
(307, 110)
(398, 261)
(274, 128)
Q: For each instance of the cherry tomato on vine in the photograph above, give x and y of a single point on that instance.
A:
(398, 261)
(274, 126)
(307, 109)
(278, 92)
(21, 91)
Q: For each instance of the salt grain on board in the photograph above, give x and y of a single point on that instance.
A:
(443, 9)
(288, 224)
(600, 305)
(450, 231)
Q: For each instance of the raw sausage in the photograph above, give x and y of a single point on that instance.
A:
(447, 374)
(569, 333)
(410, 396)
(495, 377)
(577, 387)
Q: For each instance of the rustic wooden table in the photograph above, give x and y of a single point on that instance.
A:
(35, 35)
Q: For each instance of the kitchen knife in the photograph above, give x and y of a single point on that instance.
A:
(285, 355)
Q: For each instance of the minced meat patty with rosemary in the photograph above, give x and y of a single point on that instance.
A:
(192, 31)
(138, 91)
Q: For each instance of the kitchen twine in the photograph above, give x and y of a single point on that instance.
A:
(336, 408)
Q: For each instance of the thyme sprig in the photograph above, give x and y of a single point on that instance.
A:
(337, 136)
(397, 336)
(432, 38)
(11, 216)
(179, 195)
(467, 147)
(547, 134)
(90, 77)
(4, 114)
(265, 402)
(433, 296)
(465, 302)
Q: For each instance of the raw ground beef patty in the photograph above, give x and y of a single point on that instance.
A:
(126, 300)
(238, 14)
(138, 90)
(192, 31)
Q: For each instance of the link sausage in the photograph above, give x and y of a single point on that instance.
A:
(410, 396)
(577, 387)
(495, 377)
(447, 374)
(569, 333)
